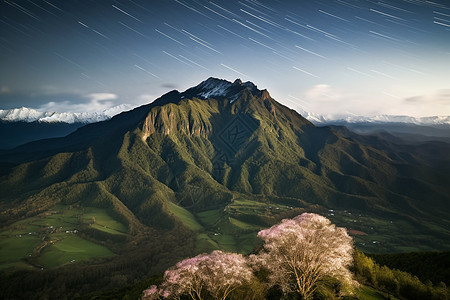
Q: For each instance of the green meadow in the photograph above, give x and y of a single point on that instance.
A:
(55, 237)
(368, 293)
(232, 228)
(70, 250)
(101, 220)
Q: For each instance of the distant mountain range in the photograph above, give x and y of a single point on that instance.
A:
(22, 125)
(25, 114)
(206, 169)
(379, 119)
(406, 128)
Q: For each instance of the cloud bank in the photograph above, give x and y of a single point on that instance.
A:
(329, 101)
(96, 102)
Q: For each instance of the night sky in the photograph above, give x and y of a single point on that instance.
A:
(327, 57)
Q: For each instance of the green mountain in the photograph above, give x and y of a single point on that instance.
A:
(205, 169)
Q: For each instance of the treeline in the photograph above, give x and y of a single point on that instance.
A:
(398, 283)
(432, 266)
(363, 267)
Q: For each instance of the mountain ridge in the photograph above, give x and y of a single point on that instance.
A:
(212, 171)
(265, 124)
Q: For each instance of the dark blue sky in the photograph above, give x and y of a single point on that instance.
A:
(327, 57)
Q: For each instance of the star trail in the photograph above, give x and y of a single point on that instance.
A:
(328, 57)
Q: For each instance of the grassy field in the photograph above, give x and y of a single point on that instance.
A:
(70, 250)
(235, 227)
(102, 221)
(185, 216)
(368, 293)
(205, 243)
(14, 248)
(52, 238)
(219, 231)
(243, 225)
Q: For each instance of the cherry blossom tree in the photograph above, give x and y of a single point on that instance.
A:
(152, 293)
(224, 272)
(301, 252)
(185, 278)
(216, 274)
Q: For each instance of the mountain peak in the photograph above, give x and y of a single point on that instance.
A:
(215, 87)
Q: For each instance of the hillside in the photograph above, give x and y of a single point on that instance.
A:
(205, 169)
(13, 134)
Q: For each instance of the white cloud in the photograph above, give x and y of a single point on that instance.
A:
(331, 102)
(437, 103)
(325, 100)
(322, 93)
(96, 97)
(98, 102)
(441, 96)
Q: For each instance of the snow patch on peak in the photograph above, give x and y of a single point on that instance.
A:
(249, 85)
(237, 82)
(214, 87)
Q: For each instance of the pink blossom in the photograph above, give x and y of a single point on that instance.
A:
(151, 293)
(300, 252)
(216, 274)
(165, 293)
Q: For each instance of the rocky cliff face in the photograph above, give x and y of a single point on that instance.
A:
(181, 119)
(193, 111)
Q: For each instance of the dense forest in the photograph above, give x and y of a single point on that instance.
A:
(427, 266)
